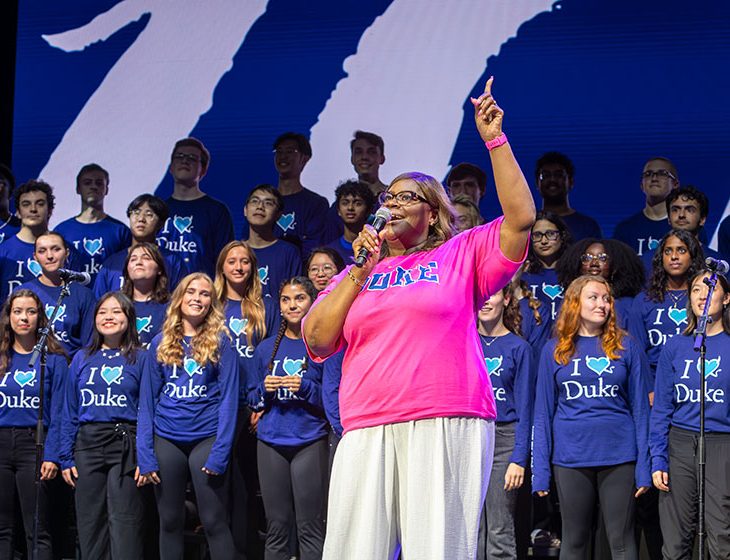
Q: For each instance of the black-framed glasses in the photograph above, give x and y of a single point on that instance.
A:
(190, 158)
(659, 174)
(265, 202)
(587, 258)
(403, 198)
(550, 235)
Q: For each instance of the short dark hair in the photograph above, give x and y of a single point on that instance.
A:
(89, 167)
(370, 137)
(130, 338)
(301, 141)
(359, 189)
(156, 204)
(270, 189)
(463, 170)
(35, 185)
(555, 158)
(9, 177)
(690, 192)
(194, 143)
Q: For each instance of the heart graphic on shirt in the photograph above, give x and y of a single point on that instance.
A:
(34, 267)
(494, 365)
(112, 374)
(653, 244)
(679, 316)
(191, 367)
(144, 323)
(598, 365)
(264, 274)
(183, 224)
(61, 312)
(93, 246)
(23, 378)
(712, 367)
(286, 221)
(237, 325)
(292, 367)
(552, 290)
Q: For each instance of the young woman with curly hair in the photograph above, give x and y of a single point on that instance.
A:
(591, 421)
(187, 416)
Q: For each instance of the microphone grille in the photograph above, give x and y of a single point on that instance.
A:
(383, 213)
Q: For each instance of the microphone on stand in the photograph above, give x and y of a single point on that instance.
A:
(717, 265)
(382, 217)
(83, 278)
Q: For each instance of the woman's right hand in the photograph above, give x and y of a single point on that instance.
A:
(272, 383)
(661, 480)
(370, 240)
(147, 478)
(70, 476)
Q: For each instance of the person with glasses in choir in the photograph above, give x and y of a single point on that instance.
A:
(323, 263)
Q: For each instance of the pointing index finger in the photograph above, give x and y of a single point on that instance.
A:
(488, 86)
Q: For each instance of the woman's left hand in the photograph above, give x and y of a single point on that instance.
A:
(209, 472)
(49, 470)
(487, 114)
(640, 491)
(514, 477)
(292, 382)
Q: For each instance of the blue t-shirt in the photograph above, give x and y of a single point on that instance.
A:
(509, 362)
(95, 242)
(277, 263)
(197, 230)
(74, 324)
(641, 233)
(331, 377)
(622, 307)
(652, 323)
(544, 286)
(150, 317)
(111, 276)
(236, 323)
(582, 226)
(723, 238)
(303, 219)
(289, 418)
(594, 411)
(102, 387)
(535, 335)
(9, 228)
(189, 403)
(20, 397)
(344, 248)
(677, 392)
(333, 227)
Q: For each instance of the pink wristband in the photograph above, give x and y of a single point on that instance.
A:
(496, 142)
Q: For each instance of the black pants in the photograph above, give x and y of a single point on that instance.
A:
(176, 461)
(109, 506)
(17, 478)
(578, 490)
(678, 507)
(293, 490)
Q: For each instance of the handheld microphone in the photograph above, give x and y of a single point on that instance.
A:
(382, 217)
(83, 278)
(717, 265)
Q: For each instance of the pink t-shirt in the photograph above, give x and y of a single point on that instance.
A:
(412, 347)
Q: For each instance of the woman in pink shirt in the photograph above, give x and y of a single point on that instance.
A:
(415, 400)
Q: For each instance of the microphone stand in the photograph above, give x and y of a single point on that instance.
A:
(40, 350)
(699, 345)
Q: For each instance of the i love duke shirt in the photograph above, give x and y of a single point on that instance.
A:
(544, 286)
(150, 316)
(95, 242)
(277, 263)
(509, 361)
(74, 323)
(189, 403)
(591, 412)
(641, 233)
(652, 323)
(413, 350)
(196, 230)
(236, 323)
(677, 392)
(101, 387)
(290, 418)
(20, 397)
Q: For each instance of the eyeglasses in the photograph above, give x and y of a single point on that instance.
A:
(328, 269)
(545, 175)
(146, 214)
(587, 258)
(190, 158)
(550, 235)
(285, 151)
(659, 174)
(403, 198)
(265, 202)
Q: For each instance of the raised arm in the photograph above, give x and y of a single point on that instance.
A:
(513, 192)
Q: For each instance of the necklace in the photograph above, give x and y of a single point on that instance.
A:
(675, 298)
(488, 340)
(110, 353)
